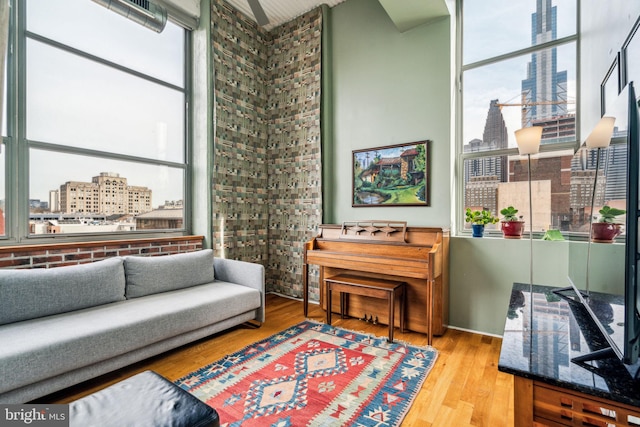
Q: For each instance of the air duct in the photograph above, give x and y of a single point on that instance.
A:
(144, 12)
(258, 12)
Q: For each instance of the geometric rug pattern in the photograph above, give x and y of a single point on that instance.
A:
(313, 374)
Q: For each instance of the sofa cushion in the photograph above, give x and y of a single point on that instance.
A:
(28, 294)
(66, 342)
(151, 275)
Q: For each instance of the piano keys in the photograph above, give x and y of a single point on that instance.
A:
(390, 250)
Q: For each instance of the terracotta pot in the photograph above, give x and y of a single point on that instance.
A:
(605, 232)
(512, 229)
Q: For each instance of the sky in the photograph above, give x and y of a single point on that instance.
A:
(495, 27)
(77, 102)
(387, 152)
(66, 89)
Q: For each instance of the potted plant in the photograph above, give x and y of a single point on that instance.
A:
(511, 224)
(478, 220)
(606, 229)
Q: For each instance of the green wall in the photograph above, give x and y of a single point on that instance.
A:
(482, 272)
(390, 87)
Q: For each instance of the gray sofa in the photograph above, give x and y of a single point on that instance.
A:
(65, 325)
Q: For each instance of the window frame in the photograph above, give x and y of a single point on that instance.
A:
(17, 146)
(461, 156)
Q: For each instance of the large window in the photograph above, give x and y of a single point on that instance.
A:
(96, 140)
(519, 69)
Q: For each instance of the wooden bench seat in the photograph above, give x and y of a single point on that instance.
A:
(390, 290)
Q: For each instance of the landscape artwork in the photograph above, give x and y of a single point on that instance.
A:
(395, 175)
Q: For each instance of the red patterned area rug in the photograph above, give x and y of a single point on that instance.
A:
(313, 374)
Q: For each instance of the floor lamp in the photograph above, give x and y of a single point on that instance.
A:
(598, 139)
(528, 140)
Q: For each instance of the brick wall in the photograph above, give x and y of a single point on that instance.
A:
(57, 255)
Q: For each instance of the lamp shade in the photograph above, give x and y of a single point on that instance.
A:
(528, 139)
(600, 136)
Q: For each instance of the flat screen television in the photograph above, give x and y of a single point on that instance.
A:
(631, 350)
(626, 349)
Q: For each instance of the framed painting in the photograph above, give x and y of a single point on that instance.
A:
(395, 175)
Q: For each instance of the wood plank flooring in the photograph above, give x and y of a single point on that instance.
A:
(464, 387)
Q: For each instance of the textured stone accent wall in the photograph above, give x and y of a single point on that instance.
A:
(294, 154)
(267, 158)
(240, 200)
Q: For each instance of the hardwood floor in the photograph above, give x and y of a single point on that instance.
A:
(464, 387)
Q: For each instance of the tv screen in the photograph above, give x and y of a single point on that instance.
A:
(632, 294)
(622, 331)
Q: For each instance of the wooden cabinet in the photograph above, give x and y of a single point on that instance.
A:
(541, 404)
(545, 341)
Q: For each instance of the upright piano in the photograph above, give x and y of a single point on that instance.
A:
(418, 256)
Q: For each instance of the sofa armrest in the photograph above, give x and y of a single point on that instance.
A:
(242, 273)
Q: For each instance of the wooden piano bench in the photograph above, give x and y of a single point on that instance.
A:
(367, 286)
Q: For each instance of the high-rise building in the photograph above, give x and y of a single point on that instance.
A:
(615, 169)
(493, 168)
(612, 179)
(481, 193)
(107, 193)
(54, 201)
(544, 91)
(557, 129)
(544, 103)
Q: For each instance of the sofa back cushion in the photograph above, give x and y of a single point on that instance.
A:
(150, 275)
(28, 294)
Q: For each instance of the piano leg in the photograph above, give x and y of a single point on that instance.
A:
(328, 287)
(430, 284)
(392, 306)
(403, 302)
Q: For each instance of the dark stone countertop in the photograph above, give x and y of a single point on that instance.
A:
(543, 332)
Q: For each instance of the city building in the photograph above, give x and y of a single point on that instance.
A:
(544, 103)
(487, 171)
(557, 129)
(554, 168)
(250, 191)
(494, 137)
(544, 91)
(107, 193)
(54, 201)
(480, 193)
(160, 219)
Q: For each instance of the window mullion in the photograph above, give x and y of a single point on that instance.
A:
(125, 110)
(525, 66)
(19, 181)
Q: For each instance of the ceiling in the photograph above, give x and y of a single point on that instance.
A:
(405, 14)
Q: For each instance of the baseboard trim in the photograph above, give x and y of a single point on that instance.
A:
(471, 331)
(293, 298)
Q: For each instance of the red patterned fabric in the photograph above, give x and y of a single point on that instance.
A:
(313, 374)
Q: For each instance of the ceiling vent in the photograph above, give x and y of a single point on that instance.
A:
(144, 12)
